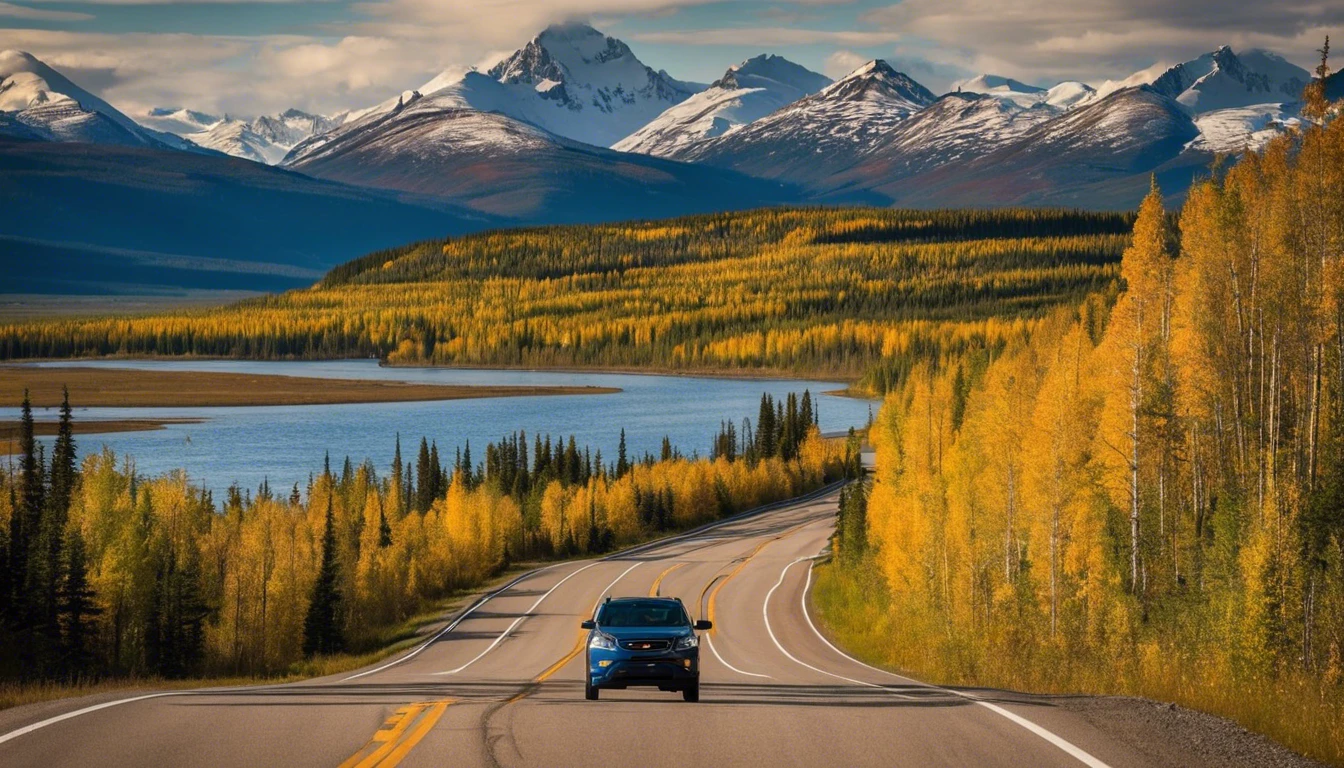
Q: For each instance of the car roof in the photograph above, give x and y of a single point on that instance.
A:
(643, 599)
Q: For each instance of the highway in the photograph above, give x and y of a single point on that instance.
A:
(502, 685)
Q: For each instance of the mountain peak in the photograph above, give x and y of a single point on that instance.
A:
(769, 70)
(874, 68)
(985, 83)
(878, 80)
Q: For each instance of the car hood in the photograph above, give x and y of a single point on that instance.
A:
(646, 633)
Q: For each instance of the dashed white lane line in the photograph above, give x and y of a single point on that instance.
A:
(518, 620)
(452, 625)
(1068, 747)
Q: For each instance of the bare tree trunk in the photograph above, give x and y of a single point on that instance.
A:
(1135, 402)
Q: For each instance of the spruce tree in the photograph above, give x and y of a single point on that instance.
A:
(424, 479)
(765, 428)
(396, 481)
(322, 627)
(622, 459)
(78, 609)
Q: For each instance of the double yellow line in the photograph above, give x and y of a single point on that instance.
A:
(395, 740)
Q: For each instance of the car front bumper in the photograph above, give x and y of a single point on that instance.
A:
(667, 670)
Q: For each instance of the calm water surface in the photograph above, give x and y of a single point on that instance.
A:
(284, 444)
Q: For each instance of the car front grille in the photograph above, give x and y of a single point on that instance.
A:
(646, 645)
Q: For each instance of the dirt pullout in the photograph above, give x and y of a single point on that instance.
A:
(118, 387)
(1169, 735)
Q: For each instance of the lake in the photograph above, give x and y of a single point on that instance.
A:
(284, 444)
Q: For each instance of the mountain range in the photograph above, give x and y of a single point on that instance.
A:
(574, 127)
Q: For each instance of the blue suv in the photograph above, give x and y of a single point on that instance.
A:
(647, 641)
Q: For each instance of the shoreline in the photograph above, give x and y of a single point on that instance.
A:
(9, 429)
(106, 387)
(747, 374)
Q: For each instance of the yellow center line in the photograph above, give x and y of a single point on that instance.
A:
(709, 611)
(576, 650)
(559, 665)
(407, 744)
(658, 582)
(391, 746)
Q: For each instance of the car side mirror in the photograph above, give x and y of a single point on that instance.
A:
(588, 624)
(704, 624)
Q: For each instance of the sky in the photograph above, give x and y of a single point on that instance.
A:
(262, 56)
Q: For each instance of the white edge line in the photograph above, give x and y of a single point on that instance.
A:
(1074, 751)
(452, 625)
(765, 612)
(52, 720)
(519, 620)
(710, 640)
(819, 493)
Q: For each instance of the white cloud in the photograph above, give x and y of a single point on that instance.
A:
(12, 11)
(767, 36)
(843, 62)
(1097, 39)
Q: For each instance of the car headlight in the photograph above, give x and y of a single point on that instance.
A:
(602, 642)
(689, 641)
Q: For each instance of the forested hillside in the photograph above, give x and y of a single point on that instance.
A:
(105, 572)
(842, 292)
(1149, 501)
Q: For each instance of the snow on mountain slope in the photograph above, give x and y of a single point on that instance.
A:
(499, 165)
(1097, 155)
(570, 80)
(1237, 129)
(747, 92)
(175, 120)
(1070, 94)
(817, 136)
(957, 128)
(55, 109)
(266, 139)
(1063, 96)
(1223, 79)
(1004, 88)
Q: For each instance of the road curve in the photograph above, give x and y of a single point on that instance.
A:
(503, 686)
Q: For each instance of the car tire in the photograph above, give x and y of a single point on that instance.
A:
(691, 692)
(589, 692)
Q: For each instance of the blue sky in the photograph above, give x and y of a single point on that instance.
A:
(267, 55)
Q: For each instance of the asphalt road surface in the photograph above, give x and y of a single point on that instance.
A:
(503, 686)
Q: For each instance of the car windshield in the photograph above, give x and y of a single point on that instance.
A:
(642, 613)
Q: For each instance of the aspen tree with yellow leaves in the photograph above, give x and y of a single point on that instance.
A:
(1145, 495)
(179, 586)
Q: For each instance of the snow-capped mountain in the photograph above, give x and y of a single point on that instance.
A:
(52, 108)
(572, 81)
(1223, 79)
(1097, 155)
(747, 92)
(821, 134)
(177, 120)
(957, 128)
(499, 165)
(268, 138)
(1064, 95)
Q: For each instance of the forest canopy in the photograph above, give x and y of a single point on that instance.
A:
(849, 293)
